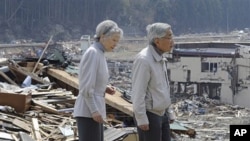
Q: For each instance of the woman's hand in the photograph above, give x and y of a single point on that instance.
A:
(110, 90)
(144, 127)
(97, 117)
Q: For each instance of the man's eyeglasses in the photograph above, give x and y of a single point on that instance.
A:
(168, 38)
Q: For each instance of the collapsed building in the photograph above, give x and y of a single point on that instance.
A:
(219, 70)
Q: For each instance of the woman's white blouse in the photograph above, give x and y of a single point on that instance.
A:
(93, 78)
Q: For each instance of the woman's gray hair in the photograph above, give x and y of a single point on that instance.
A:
(107, 28)
(157, 30)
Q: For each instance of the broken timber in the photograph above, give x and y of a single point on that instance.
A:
(115, 101)
(22, 72)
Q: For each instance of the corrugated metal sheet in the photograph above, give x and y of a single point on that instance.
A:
(177, 126)
(113, 134)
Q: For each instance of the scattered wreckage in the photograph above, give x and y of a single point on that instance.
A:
(37, 98)
(40, 108)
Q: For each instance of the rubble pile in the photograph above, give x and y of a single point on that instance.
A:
(48, 116)
(34, 125)
(33, 110)
(37, 112)
(210, 118)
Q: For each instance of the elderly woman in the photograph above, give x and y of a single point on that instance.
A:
(150, 85)
(89, 108)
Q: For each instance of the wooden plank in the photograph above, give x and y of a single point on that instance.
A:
(36, 130)
(45, 107)
(11, 117)
(7, 78)
(115, 101)
(36, 93)
(6, 136)
(44, 133)
(7, 124)
(64, 77)
(22, 125)
(58, 97)
(67, 118)
(14, 137)
(24, 72)
(55, 101)
(47, 44)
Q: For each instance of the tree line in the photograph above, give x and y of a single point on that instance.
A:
(185, 16)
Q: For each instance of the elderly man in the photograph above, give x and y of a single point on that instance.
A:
(150, 86)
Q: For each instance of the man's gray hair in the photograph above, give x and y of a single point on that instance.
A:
(107, 28)
(157, 30)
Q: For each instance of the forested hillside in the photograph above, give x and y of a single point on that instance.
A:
(69, 19)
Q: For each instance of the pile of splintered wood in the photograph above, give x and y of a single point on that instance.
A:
(48, 118)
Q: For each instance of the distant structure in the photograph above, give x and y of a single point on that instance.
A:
(85, 42)
(219, 70)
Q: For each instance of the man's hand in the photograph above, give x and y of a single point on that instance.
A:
(110, 90)
(171, 121)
